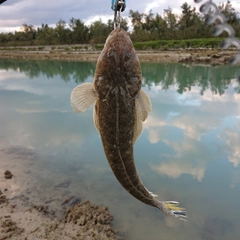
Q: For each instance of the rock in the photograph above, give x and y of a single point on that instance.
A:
(8, 174)
(9, 228)
(203, 59)
(187, 58)
(3, 199)
(41, 208)
(216, 56)
(92, 222)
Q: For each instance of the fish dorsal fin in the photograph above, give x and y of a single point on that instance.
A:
(82, 97)
(142, 107)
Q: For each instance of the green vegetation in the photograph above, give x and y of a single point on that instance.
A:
(99, 47)
(168, 44)
(150, 31)
(148, 45)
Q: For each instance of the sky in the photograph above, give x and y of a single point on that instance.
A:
(15, 13)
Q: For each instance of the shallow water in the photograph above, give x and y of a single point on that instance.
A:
(188, 151)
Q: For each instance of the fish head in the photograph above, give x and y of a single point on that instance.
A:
(118, 66)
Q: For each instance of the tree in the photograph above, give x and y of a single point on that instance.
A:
(99, 31)
(158, 27)
(29, 33)
(171, 22)
(231, 15)
(80, 32)
(61, 31)
(189, 21)
(136, 19)
(229, 12)
(148, 20)
(46, 35)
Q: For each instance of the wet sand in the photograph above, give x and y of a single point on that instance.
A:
(32, 208)
(67, 53)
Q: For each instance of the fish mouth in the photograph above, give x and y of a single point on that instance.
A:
(117, 31)
(118, 35)
(118, 44)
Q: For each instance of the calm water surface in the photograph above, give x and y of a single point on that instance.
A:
(188, 151)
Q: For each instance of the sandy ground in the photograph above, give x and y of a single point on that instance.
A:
(31, 211)
(216, 56)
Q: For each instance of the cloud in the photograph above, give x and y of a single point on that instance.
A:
(32, 107)
(176, 169)
(14, 13)
(154, 5)
(232, 140)
(189, 157)
(185, 125)
(35, 13)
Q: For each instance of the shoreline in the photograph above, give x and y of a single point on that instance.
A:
(210, 56)
(34, 208)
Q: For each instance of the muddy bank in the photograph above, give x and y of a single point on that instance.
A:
(32, 209)
(216, 56)
(83, 221)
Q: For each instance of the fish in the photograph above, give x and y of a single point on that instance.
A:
(120, 109)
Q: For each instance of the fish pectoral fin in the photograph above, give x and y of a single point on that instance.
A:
(95, 116)
(145, 105)
(171, 208)
(142, 107)
(82, 97)
(138, 122)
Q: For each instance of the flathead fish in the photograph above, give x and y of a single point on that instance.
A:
(120, 108)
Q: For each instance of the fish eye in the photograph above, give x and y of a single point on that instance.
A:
(100, 78)
(110, 52)
(128, 55)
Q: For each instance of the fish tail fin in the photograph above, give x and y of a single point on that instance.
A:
(171, 208)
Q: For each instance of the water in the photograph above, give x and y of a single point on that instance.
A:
(188, 151)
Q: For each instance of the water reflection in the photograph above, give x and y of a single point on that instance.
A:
(188, 150)
(215, 78)
(67, 70)
(197, 129)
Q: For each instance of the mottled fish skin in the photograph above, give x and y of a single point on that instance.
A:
(117, 89)
(117, 81)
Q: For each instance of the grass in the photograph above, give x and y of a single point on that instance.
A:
(149, 45)
(99, 46)
(170, 44)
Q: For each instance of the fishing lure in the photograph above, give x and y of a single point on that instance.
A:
(118, 6)
(213, 14)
